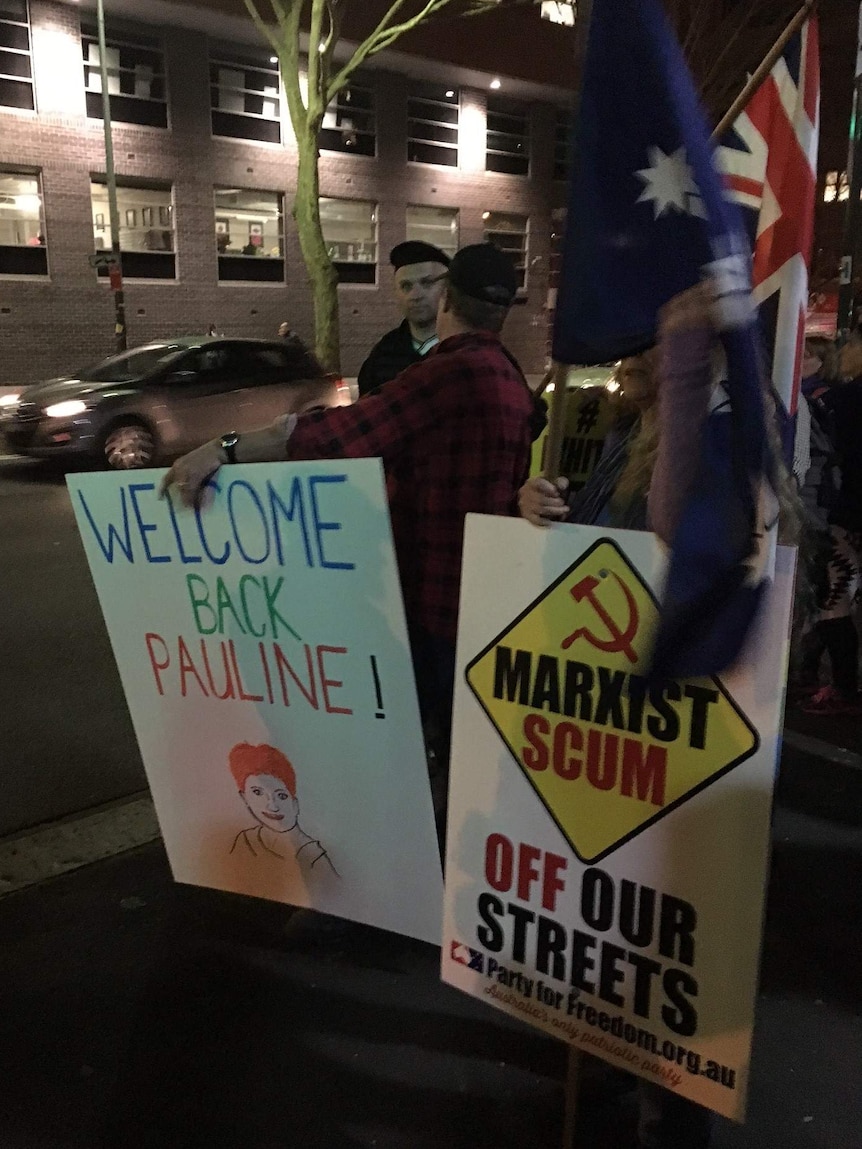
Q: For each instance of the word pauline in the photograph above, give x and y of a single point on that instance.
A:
(259, 524)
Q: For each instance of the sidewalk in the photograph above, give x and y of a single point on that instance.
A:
(138, 1013)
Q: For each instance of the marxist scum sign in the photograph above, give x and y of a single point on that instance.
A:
(263, 652)
(608, 839)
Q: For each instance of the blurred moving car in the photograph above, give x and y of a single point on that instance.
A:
(151, 404)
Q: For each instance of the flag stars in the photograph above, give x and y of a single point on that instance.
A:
(670, 184)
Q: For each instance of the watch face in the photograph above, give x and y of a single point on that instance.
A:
(230, 440)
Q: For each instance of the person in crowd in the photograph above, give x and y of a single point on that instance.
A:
(420, 273)
(835, 627)
(454, 433)
(641, 483)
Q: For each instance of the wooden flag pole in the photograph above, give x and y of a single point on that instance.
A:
(557, 417)
(729, 119)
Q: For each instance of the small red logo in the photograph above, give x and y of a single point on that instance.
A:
(620, 638)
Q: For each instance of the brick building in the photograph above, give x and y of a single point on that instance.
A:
(206, 164)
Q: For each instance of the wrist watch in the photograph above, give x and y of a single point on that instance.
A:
(228, 444)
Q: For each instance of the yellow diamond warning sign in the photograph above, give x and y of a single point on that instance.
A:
(607, 753)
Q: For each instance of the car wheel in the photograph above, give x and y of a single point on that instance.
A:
(129, 446)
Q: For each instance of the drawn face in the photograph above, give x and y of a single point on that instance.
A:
(270, 801)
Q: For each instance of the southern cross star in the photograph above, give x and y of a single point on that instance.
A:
(670, 184)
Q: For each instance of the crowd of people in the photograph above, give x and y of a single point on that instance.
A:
(449, 411)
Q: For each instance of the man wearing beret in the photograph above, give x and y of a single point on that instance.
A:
(454, 432)
(420, 270)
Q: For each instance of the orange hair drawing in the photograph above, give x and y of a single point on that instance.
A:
(245, 760)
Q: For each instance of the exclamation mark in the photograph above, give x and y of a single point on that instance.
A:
(377, 690)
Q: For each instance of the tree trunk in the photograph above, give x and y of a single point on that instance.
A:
(321, 273)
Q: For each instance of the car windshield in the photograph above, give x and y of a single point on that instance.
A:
(131, 364)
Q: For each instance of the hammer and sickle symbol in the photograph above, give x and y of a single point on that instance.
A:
(620, 640)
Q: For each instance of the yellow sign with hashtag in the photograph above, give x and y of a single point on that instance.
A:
(607, 752)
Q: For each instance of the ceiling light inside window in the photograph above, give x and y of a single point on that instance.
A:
(495, 85)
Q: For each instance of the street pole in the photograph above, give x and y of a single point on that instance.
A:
(115, 268)
(852, 219)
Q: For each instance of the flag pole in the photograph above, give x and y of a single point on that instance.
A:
(560, 371)
(771, 59)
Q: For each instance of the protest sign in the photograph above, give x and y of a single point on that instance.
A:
(263, 650)
(608, 837)
(590, 413)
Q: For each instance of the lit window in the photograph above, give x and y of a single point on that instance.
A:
(249, 235)
(22, 225)
(349, 123)
(508, 137)
(562, 145)
(837, 189)
(136, 78)
(350, 232)
(435, 225)
(433, 113)
(509, 233)
(146, 227)
(16, 71)
(244, 97)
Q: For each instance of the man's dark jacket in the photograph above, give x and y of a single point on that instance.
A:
(388, 358)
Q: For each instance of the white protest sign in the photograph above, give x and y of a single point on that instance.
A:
(263, 651)
(608, 841)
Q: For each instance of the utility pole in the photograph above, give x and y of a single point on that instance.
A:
(115, 267)
(852, 219)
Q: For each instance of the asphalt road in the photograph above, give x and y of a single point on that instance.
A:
(66, 739)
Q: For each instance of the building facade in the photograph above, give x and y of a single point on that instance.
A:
(206, 167)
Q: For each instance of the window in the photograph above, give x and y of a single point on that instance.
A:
(350, 231)
(837, 189)
(16, 72)
(509, 233)
(249, 235)
(562, 145)
(136, 79)
(433, 112)
(437, 225)
(508, 138)
(245, 101)
(22, 226)
(146, 227)
(349, 123)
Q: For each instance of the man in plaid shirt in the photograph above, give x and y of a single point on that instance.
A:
(454, 433)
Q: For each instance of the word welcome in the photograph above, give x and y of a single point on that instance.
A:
(265, 524)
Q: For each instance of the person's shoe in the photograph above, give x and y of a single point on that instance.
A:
(829, 701)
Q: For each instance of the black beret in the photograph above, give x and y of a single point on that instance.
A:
(484, 272)
(414, 251)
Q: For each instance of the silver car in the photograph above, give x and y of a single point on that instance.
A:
(149, 405)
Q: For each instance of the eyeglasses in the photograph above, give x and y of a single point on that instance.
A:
(406, 285)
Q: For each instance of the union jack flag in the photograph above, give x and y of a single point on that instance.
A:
(769, 161)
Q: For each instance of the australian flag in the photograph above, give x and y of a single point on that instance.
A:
(647, 219)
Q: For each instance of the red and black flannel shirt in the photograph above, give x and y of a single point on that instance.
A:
(454, 435)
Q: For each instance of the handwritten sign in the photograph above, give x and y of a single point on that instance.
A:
(263, 650)
(608, 837)
(590, 414)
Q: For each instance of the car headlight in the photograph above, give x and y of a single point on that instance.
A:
(66, 410)
(9, 400)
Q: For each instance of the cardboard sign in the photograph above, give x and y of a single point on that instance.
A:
(608, 839)
(590, 414)
(263, 651)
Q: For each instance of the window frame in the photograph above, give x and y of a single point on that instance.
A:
(363, 84)
(129, 40)
(563, 152)
(421, 94)
(238, 260)
(130, 258)
(524, 287)
(7, 78)
(435, 207)
(519, 112)
(35, 255)
(375, 263)
(218, 61)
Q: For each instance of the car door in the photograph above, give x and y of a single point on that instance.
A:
(202, 396)
(273, 387)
